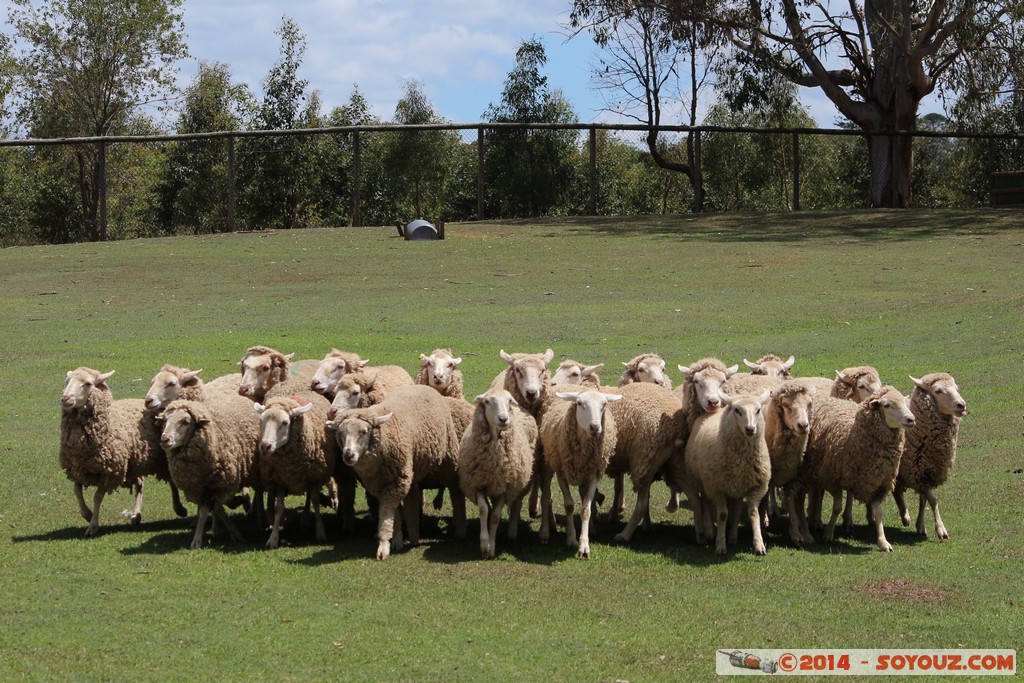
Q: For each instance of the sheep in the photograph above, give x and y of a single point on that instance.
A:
(771, 365)
(573, 372)
(496, 459)
(856, 447)
(106, 443)
(296, 455)
(211, 449)
(364, 388)
(727, 461)
(741, 383)
(440, 371)
(173, 383)
(787, 429)
(649, 424)
(647, 367)
(267, 373)
(392, 447)
(578, 439)
(333, 366)
(853, 384)
(701, 392)
(930, 450)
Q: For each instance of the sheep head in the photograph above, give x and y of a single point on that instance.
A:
(572, 372)
(771, 366)
(858, 383)
(333, 367)
(648, 367)
(350, 391)
(167, 384)
(705, 379)
(262, 368)
(943, 391)
(529, 371)
(180, 422)
(276, 420)
(745, 411)
(440, 367)
(590, 405)
(78, 384)
(354, 431)
(493, 414)
(893, 406)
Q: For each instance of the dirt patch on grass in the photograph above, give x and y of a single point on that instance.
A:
(902, 590)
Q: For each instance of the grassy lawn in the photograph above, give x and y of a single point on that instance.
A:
(909, 293)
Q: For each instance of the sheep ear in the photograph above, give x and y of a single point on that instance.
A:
(683, 369)
(513, 402)
(480, 400)
(918, 383)
(370, 381)
(190, 377)
(68, 376)
(840, 376)
(362, 364)
(625, 364)
(378, 421)
(202, 421)
(726, 398)
(752, 366)
(548, 355)
(457, 361)
(765, 395)
(424, 359)
(104, 377)
(789, 363)
(301, 410)
(612, 398)
(505, 357)
(591, 369)
(332, 426)
(730, 371)
(568, 395)
(259, 408)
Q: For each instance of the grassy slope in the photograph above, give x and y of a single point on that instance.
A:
(909, 293)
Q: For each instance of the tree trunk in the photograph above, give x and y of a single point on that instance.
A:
(891, 160)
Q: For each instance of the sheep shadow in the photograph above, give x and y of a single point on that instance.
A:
(77, 532)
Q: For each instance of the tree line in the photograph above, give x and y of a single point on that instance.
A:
(93, 68)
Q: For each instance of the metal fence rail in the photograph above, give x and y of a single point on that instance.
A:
(792, 177)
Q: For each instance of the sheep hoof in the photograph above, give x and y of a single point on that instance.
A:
(905, 518)
(720, 550)
(180, 509)
(760, 550)
(584, 552)
(621, 538)
(195, 545)
(91, 531)
(383, 550)
(942, 534)
(136, 520)
(271, 545)
(885, 546)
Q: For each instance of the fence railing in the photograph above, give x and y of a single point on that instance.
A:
(587, 135)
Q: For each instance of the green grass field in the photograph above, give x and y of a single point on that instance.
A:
(908, 292)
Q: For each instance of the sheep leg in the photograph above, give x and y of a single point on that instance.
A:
(197, 538)
(814, 504)
(643, 499)
(179, 508)
(275, 527)
(386, 513)
(82, 507)
(321, 533)
(515, 511)
(618, 498)
(673, 498)
(403, 512)
(837, 508)
(458, 513)
(799, 501)
(722, 515)
(901, 503)
(485, 524)
(136, 515)
(545, 499)
(347, 503)
(536, 490)
(848, 515)
(735, 510)
(411, 511)
(754, 515)
(789, 502)
(438, 501)
(94, 521)
(494, 519)
(876, 514)
(586, 514)
(940, 528)
(773, 503)
(332, 493)
(569, 506)
(222, 515)
(763, 509)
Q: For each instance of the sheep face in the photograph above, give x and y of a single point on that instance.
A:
(569, 372)
(745, 411)
(944, 392)
(862, 382)
(530, 373)
(496, 408)
(354, 435)
(707, 384)
(796, 410)
(650, 369)
(590, 407)
(349, 392)
(167, 384)
(440, 366)
(333, 368)
(78, 384)
(771, 366)
(179, 426)
(257, 371)
(893, 406)
(275, 424)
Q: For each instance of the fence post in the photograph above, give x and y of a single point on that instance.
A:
(357, 220)
(102, 180)
(480, 173)
(592, 203)
(796, 171)
(231, 183)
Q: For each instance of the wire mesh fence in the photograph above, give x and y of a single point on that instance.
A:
(123, 187)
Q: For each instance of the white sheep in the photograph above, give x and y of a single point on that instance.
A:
(856, 447)
(770, 365)
(106, 443)
(296, 454)
(578, 439)
(574, 372)
(727, 462)
(267, 373)
(496, 459)
(930, 450)
(173, 383)
(526, 378)
(647, 367)
(649, 424)
(787, 429)
(331, 369)
(211, 449)
(365, 388)
(392, 447)
(440, 371)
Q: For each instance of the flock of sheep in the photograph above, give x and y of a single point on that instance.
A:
(730, 442)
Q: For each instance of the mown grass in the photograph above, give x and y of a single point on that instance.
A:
(906, 292)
